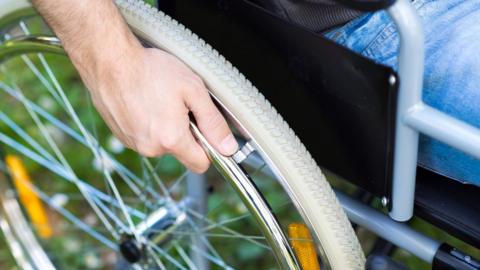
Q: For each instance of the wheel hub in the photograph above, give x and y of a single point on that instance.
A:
(131, 250)
(156, 229)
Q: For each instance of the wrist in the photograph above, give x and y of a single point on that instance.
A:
(97, 41)
(106, 58)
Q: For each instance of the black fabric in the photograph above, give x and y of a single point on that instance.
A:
(448, 204)
(167, 6)
(316, 15)
(367, 5)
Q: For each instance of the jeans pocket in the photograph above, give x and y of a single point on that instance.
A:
(384, 46)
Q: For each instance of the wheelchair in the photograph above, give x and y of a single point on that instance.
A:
(366, 121)
(360, 120)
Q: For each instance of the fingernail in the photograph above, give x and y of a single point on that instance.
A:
(229, 145)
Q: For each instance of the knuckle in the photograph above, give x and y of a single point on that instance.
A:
(190, 88)
(196, 84)
(197, 80)
(148, 150)
(170, 142)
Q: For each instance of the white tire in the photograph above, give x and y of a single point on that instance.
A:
(305, 181)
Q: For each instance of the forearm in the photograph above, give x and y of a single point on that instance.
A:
(144, 95)
(92, 32)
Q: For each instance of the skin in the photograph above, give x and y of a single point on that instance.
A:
(144, 95)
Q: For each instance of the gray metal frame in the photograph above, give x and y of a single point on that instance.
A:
(253, 200)
(397, 233)
(414, 117)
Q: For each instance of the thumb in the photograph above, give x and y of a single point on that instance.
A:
(212, 124)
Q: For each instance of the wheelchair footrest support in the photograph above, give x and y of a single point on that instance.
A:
(448, 258)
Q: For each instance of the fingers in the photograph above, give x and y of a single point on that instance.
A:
(210, 121)
(153, 119)
(178, 140)
(190, 153)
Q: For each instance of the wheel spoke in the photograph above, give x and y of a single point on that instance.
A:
(34, 144)
(71, 217)
(123, 172)
(65, 164)
(238, 218)
(116, 212)
(184, 256)
(59, 170)
(224, 228)
(204, 240)
(177, 182)
(217, 235)
(57, 151)
(215, 260)
(91, 144)
(111, 215)
(20, 132)
(156, 258)
(166, 256)
(156, 177)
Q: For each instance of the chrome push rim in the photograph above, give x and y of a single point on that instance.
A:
(40, 44)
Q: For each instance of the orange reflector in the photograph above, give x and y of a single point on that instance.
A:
(303, 245)
(28, 197)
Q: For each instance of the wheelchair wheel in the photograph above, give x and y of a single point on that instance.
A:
(73, 197)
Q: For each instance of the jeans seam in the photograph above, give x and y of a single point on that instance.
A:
(340, 37)
(386, 33)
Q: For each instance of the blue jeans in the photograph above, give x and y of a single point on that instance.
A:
(452, 70)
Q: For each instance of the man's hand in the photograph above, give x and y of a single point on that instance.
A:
(146, 101)
(144, 95)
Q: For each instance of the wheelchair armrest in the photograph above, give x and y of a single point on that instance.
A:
(366, 5)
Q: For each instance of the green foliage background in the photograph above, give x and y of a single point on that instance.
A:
(170, 169)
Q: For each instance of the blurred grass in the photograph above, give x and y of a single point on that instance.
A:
(170, 169)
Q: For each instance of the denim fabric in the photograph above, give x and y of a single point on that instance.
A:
(452, 70)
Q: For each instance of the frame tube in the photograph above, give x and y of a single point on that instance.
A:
(197, 192)
(400, 234)
(445, 128)
(413, 116)
(410, 65)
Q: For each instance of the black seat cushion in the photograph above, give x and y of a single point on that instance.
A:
(449, 204)
(338, 102)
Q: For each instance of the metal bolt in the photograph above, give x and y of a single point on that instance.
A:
(243, 152)
(384, 201)
(392, 79)
(130, 250)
